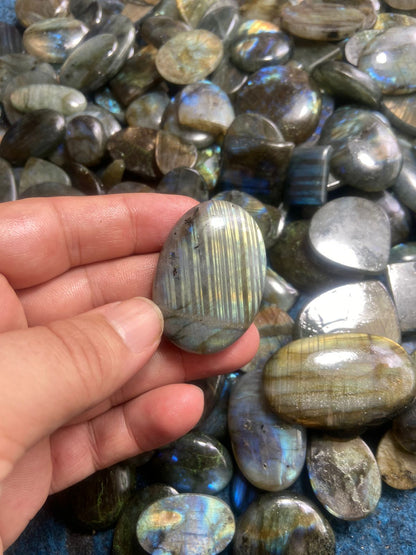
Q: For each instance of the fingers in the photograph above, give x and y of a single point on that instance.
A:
(143, 424)
(82, 289)
(12, 316)
(49, 374)
(42, 238)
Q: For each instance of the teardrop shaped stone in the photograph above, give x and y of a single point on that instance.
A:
(397, 466)
(186, 523)
(269, 452)
(65, 100)
(172, 152)
(51, 40)
(344, 476)
(389, 60)
(362, 307)
(35, 134)
(210, 277)
(351, 233)
(353, 380)
(283, 523)
(195, 463)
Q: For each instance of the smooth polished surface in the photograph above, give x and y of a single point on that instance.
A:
(210, 277)
(397, 466)
(402, 282)
(65, 100)
(354, 380)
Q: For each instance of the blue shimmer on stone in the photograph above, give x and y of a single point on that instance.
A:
(308, 173)
(242, 493)
(210, 277)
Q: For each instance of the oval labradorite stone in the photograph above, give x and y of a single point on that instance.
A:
(210, 277)
(339, 381)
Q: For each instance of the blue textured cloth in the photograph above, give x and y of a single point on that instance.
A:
(391, 530)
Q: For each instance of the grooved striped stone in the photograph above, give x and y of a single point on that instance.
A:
(210, 277)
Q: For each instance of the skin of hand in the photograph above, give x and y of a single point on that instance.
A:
(85, 378)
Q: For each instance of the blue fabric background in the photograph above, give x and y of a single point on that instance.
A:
(391, 530)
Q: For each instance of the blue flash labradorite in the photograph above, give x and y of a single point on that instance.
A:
(210, 277)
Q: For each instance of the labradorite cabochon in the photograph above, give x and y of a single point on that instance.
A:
(210, 277)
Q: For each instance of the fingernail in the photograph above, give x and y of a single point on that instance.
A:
(138, 321)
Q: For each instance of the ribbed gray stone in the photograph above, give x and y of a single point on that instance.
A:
(65, 100)
(210, 277)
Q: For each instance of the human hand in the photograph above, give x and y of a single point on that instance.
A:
(75, 397)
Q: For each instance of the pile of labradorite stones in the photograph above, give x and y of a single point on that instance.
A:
(302, 114)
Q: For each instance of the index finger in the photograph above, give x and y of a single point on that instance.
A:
(41, 238)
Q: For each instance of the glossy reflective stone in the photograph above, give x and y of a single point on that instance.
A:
(366, 152)
(158, 30)
(384, 57)
(136, 146)
(269, 452)
(205, 107)
(106, 99)
(402, 282)
(184, 181)
(35, 134)
(400, 111)
(38, 171)
(208, 164)
(286, 96)
(95, 503)
(173, 152)
(137, 76)
(345, 81)
(8, 190)
(50, 189)
(351, 233)
(402, 4)
(242, 493)
(52, 40)
(308, 174)
(147, 110)
(278, 291)
(386, 21)
(10, 39)
(113, 174)
(189, 56)
(405, 185)
(227, 76)
(255, 126)
(192, 12)
(89, 66)
(283, 523)
(65, 100)
(84, 179)
(195, 463)
(89, 12)
(85, 140)
(125, 540)
(354, 380)
(186, 523)
(31, 11)
(404, 252)
(363, 307)
(397, 466)
(130, 187)
(344, 476)
(108, 121)
(221, 19)
(210, 276)
(356, 44)
(321, 20)
(404, 428)
(291, 257)
(13, 64)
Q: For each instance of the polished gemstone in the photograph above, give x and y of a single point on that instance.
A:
(38, 171)
(208, 164)
(351, 233)
(184, 181)
(113, 173)
(404, 428)
(366, 152)
(105, 99)
(8, 190)
(402, 282)
(397, 466)
(158, 30)
(404, 252)
(85, 140)
(51, 40)
(278, 291)
(173, 152)
(10, 39)
(362, 307)
(222, 19)
(405, 185)
(130, 187)
(147, 110)
(402, 4)
(50, 189)
(255, 126)
(34, 134)
(65, 100)
(31, 11)
(195, 463)
(227, 76)
(108, 121)
(125, 540)
(205, 107)
(344, 476)
(89, 12)
(13, 64)
(269, 452)
(84, 179)
(389, 60)
(186, 523)
(400, 111)
(136, 146)
(285, 94)
(387, 20)
(283, 523)
(354, 380)
(210, 276)
(356, 44)
(321, 20)
(189, 56)
(242, 493)
(89, 66)
(308, 175)
(192, 12)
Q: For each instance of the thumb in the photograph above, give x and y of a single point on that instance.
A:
(49, 374)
